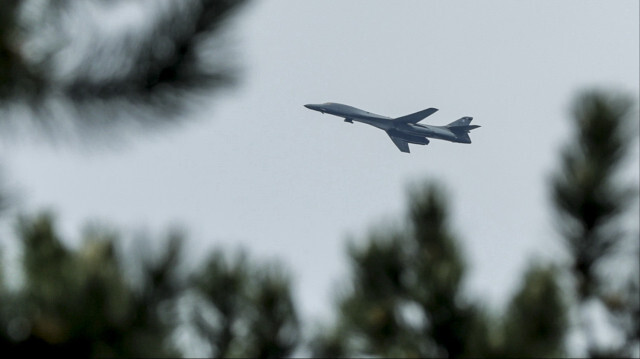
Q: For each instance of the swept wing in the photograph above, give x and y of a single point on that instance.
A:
(416, 117)
(400, 143)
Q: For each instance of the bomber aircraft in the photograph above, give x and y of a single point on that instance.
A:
(402, 130)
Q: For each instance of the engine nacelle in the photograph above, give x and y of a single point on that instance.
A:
(416, 140)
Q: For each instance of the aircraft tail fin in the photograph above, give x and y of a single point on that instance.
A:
(462, 125)
(465, 121)
(461, 129)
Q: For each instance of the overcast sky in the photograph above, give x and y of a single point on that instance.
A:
(259, 170)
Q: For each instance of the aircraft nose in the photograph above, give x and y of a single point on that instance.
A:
(318, 108)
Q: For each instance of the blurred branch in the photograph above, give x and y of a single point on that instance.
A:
(248, 308)
(16, 77)
(590, 200)
(96, 65)
(587, 197)
(168, 56)
(80, 303)
(405, 297)
(4, 196)
(536, 319)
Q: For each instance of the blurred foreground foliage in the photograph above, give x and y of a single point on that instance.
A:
(78, 69)
(406, 298)
(81, 303)
(591, 203)
(404, 295)
(92, 302)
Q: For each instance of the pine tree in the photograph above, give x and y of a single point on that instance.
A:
(535, 322)
(590, 201)
(79, 302)
(246, 310)
(405, 296)
(148, 75)
(89, 302)
(406, 299)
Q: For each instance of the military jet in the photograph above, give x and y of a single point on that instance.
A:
(402, 130)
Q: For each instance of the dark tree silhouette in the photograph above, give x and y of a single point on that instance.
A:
(61, 67)
(405, 298)
(4, 197)
(536, 320)
(80, 302)
(590, 200)
(247, 310)
(92, 302)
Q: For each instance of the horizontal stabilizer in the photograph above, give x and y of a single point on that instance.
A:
(462, 132)
(416, 117)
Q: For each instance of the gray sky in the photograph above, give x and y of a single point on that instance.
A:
(258, 170)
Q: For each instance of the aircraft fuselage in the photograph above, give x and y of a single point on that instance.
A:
(386, 123)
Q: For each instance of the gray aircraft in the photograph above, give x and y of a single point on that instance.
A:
(402, 130)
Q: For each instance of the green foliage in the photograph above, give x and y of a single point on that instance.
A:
(536, 319)
(247, 310)
(587, 197)
(85, 303)
(405, 297)
(80, 303)
(15, 76)
(590, 199)
(533, 325)
(147, 73)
